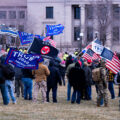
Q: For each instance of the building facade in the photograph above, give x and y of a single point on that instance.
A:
(78, 17)
(13, 13)
(81, 21)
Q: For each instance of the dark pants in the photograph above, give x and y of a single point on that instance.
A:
(28, 85)
(76, 96)
(18, 85)
(111, 89)
(4, 94)
(54, 93)
(88, 92)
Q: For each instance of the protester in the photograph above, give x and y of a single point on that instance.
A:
(88, 80)
(40, 82)
(110, 78)
(27, 77)
(53, 79)
(77, 80)
(3, 89)
(9, 81)
(101, 83)
(18, 82)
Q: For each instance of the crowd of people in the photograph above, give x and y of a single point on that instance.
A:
(81, 75)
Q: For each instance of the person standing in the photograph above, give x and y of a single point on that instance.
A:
(18, 82)
(28, 83)
(52, 80)
(40, 82)
(110, 77)
(102, 85)
(3, 89)
(77, 80)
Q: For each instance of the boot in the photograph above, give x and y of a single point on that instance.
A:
(98, 105)
(106, 105)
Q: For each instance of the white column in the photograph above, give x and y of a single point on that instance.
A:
(82, 21)
(68, 25)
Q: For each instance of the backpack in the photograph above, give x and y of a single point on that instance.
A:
(9, 72)
(96, 74)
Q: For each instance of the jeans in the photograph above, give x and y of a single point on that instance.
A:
(74, 97)
(111, 89)
(4, 94)
(88, 93)
(10, 90)
(28, 85)
(54, 93)
(68, 91)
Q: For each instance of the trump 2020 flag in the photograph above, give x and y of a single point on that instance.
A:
(26, 61)
(54, 29)
(45, 49)
(25, 38)
(90, 54)
(112, 61)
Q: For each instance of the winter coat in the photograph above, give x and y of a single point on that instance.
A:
(27, 73)
(18, 73)
(41, 73)
(88, 74)
(68, 61)
(54, 78)
(2, 74)
(76, 77)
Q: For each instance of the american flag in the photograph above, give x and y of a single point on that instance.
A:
(52, 42)
(90, 54)
(112, 61)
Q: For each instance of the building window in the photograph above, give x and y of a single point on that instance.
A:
(49, 12)
(21, 28)
(76, 33)
(21, 14)
(89, 34)
(12, 14)
(116, 34)
(116, 12)
(76, 12)
(89, 12)
(3, 14)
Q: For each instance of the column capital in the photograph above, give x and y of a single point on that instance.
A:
(82, 5)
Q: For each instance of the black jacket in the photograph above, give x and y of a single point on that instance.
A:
(27, 73)
(77, 77)
(54, 76)
(88, 75)
(2, 74)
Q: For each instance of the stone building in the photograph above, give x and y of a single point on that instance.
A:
(78, 17)
(13, 13)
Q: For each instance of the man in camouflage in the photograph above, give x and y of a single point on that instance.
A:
(102, 86)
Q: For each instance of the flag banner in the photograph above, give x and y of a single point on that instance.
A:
(90, 54)
(54, 29)
(9, 31)
(25, 38)
(112, 61)
(21, 60)
(52, 42)
(43, 48)
(97, 46)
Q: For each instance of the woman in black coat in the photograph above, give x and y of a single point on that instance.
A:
(52, 80)
(77, 80)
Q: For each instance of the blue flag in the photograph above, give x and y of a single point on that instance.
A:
(54, 29)
(107, 54)
(25, 38)
(21, 60)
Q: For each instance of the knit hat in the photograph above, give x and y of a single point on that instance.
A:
(80, 63)
(89, 61)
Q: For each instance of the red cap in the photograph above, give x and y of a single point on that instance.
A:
(89, 61)
(80, 62)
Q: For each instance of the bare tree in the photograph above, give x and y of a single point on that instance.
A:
(103, 17)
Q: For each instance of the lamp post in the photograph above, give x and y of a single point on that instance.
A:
(81, 36)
